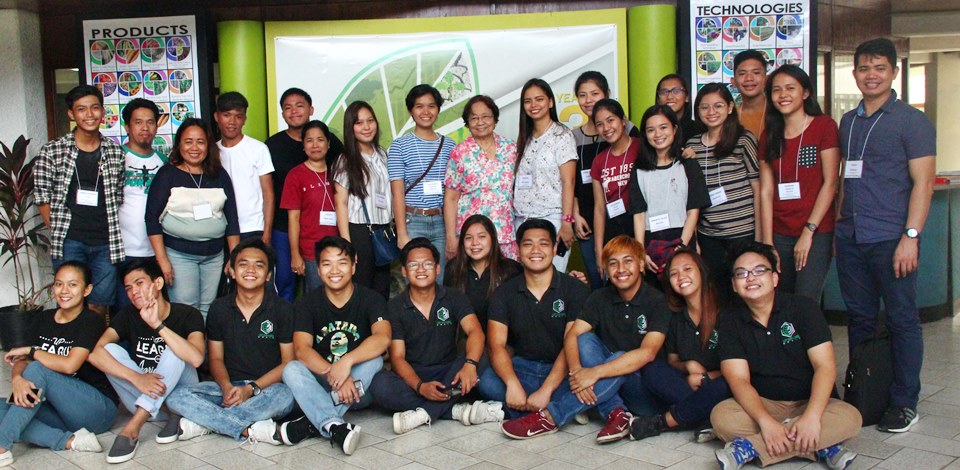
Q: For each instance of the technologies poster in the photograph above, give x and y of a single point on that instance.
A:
(152, 58)
(719, 29)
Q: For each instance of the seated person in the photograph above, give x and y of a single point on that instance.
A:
(165, 344)
(428, 376)
(249, 335)
(339, 334)
(777, 357)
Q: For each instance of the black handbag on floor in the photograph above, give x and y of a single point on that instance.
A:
(869, 377)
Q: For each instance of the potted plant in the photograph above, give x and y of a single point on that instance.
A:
(23, 242)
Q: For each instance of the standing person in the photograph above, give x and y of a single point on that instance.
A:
(165, 348)
(308, 202)
(362, 193)
(77, 401)
(778, 359)
(546, 163)
(666, 192)
(800, 166)
(191, 210)
(889, 152)
(79, 180)
(250, 339)
(480, 178)
(247, 161)
(727, 154)
(417, 163)
(673, 91)
(142, 163)
(339, 336)
(286, 152)
(750, 78)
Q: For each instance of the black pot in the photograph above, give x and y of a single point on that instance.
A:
(15, 327)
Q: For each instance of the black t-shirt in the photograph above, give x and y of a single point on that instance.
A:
(684, 341)
(83, 332)
(251, 349)
(287, 153)
(622, 325)
(780, 368)
(536, 327)
(145, 347)
(88, 224)
(338, 331)
(476, 287)
(429, 341)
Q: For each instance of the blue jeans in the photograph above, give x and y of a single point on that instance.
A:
(97, 258)
(590, 262)
(592, 354)
(809, 281)
(201, 403)
(174, 371)
(392, 393)
(311, 278)
(284, 278)
(866, 275)
(430, 226)
(313, 393)
(688, 406)
(195, 279)
(70, 404)
(634, 395)
(531, 375)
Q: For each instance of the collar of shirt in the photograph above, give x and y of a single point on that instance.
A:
(440, 293)
(775, 314)
(618, 299)
(269, 299)
(522, 285)
(885, 107)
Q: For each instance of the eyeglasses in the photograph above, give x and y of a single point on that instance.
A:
(484, 118)
(716, 107)
(663, 92)
(758, 271)
(415, 265)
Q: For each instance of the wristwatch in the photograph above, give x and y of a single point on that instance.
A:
(811, 227)
(911, 233)
(256, 388)
(161, 326)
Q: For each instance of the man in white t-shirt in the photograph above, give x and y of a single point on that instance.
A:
(140, 118)
(247, 161)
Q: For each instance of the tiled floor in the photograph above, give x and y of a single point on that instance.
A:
(933, 443)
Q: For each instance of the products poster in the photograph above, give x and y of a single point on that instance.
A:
(151, 58)
(719, 29)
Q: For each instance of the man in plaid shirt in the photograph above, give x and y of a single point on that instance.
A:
(79, 181)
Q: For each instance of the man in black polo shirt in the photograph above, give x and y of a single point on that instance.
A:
(250, 341)
(777, 357)
(428, 377)
(531, 313)
(339, 335)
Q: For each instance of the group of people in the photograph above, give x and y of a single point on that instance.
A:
(712, 245)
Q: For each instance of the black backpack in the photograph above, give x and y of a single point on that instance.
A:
(869, 377)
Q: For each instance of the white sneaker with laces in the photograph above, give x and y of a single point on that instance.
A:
(6, 459)
(85, 441)
(408, 420)
(264, 431)
(486, 412)
(190, 430)
(461, 412)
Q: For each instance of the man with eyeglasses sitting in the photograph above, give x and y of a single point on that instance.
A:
(777, 356)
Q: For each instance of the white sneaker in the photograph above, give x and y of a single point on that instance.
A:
(85, 441)
(486, 412)
(190, 430)
(582, 418)
(408, 420)
(264, 431)
(6, 459)
(461, 412)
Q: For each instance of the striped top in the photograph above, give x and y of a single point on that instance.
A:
(735, 217)
(377, 184)
(409, 157)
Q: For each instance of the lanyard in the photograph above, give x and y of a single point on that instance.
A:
(195, 180)
(606, 159)
(323, 184)
(865, 140)
(706, 161)
(799, 147)
(76, 173)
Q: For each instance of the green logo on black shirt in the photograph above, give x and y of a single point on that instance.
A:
(558, 309)
(642, 324)
(788, 332)
(266, 330)
(443, 317)
(712, 344)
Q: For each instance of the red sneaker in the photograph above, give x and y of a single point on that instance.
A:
(617, 427)
(532, 425)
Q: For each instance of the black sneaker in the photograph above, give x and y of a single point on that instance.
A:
(898, 419)
(346, 436)
(296, 431)
(170, 432)
(643, 427)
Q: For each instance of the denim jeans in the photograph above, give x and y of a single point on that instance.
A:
(809, 281)
(174, 371)
(430, 226)
(531, 375)
(313, 393)
(688, 406)
(284, 277)
(311, 277)
(70, 404)
(195, 279)
(202, 404)
(866, 275)
(592, 354)
(392, 393)
(634, 395)
(97, 258)
(590, 262)
(559, 262)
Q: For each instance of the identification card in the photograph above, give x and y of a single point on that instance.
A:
(524, 181)
(87, 198)
(433, 188)
(380, 200)
(853, 169)
(659, 222)
(328, 218)
(202, 211)
(717, 196)
(585, 174)
(789, 191)
(616, 208)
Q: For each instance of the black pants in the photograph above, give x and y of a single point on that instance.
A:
(715, 252)
(368, 273)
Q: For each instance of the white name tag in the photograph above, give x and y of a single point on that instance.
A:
(524, 181)
(789, 191)
(585, 174)
(202, 211)
(380, 200)
(87, 198)
(432, 188)
(717, 196)
(659, 222)
(853, 169)
(616, 208)
(328, 218)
